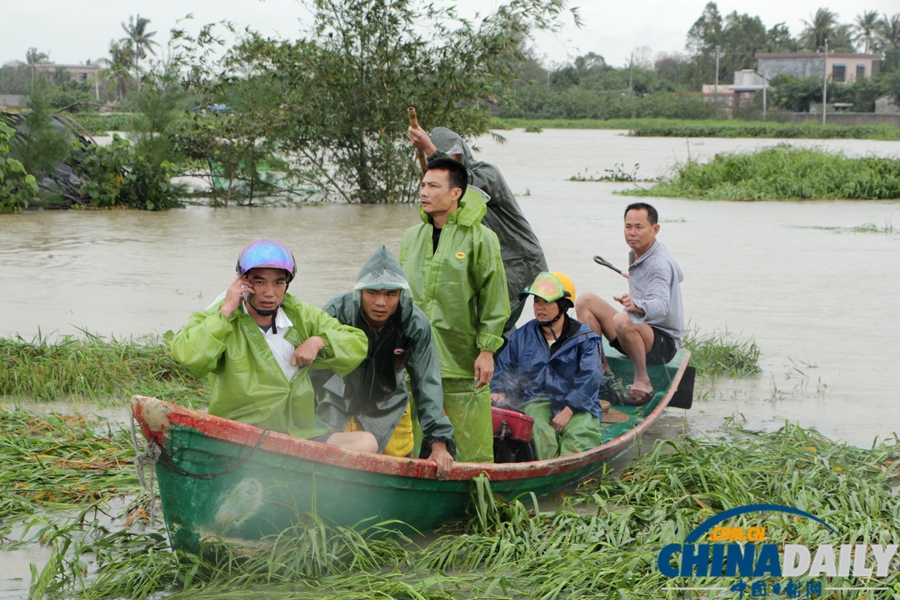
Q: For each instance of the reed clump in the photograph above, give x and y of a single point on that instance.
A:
(602, 542)
(781, 173)
(719, 354)
(95, 368)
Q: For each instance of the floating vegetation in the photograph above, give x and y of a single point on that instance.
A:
(864, 228)
(722, 354)
(53, 462)
(602, 542)
(782, 173)
(95, 368)
(533, 129)
(618, 173)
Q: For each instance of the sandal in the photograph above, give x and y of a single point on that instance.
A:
(638, 397)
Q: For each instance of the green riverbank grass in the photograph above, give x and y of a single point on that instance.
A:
(781, 173)
(95, 368)
(110, 371)
(710, 128)
(601, 543)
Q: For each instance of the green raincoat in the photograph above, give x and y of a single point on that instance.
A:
(523, 257)
(375, 392)
(461, 288)
(247, 383)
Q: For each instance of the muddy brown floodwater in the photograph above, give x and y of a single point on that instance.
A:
(821, 304)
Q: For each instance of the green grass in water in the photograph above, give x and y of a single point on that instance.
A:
(710, 128)
(95, 368)
(722, 354)
(53, 462)
(781, 173)
(601, 543)
(888, 228)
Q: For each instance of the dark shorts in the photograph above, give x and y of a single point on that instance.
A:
(322, 438)
(663, 349)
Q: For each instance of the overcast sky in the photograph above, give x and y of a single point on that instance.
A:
(72, 31)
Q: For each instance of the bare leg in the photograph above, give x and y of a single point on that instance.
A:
(362, 441)
(597, 314)
(636, 340)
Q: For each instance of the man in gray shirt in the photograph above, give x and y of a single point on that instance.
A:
(649, 330)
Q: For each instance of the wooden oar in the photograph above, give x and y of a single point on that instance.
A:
(414, 122)
(602, 261)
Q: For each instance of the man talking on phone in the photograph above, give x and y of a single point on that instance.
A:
(257, 343)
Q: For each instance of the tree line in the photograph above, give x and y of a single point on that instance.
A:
(323, 116)
(665, 85)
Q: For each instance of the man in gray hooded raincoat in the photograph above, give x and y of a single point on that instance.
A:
(374, 397)
(523, 257)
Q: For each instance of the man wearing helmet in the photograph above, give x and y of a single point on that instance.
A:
(257, 343)
(373, 397)
(551, 368)
(456, 276)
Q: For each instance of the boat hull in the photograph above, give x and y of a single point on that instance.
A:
(226, 482)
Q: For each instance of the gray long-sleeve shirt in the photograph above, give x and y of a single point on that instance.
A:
(654, 286)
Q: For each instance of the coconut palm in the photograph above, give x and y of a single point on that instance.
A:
(139, 41)
(865, 30)
(33, 58)
(118, 66)
(822, 26)
(889, 31)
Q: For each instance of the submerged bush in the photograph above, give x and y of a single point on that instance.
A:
(17, 187)
(782, 173)
(118, 175)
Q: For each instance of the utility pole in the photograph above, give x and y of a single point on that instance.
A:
(630, 70)
(825, 85)
(717, 78)
(765, 86)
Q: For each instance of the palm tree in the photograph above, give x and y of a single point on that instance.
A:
(889, 30)
(118, 66)
(33, 58)
(820, 28)
(865, 30)
(139, 41)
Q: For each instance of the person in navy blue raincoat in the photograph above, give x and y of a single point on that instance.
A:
(551, 370)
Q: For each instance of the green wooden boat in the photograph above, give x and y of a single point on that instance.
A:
(221, 481)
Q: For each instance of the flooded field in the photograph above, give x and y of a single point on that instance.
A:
(819, 299)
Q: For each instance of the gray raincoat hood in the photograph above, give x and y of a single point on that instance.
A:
(449, 142)
(381, 272)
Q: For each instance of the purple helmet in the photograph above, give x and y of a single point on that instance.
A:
(267, 254)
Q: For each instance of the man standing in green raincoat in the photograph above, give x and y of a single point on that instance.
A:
(257, 343)
(523, 257)
(456, 275)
